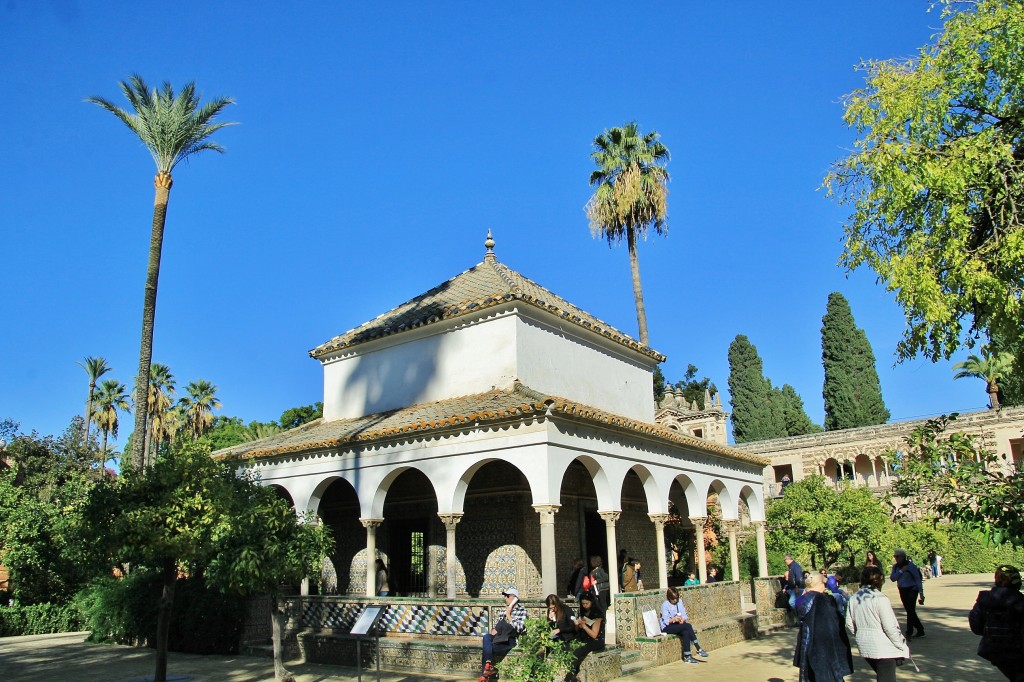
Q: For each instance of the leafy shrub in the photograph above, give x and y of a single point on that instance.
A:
(40, 619)
(124, 611)
(536, 657)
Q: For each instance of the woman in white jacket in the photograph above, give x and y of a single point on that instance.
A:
(869, 616)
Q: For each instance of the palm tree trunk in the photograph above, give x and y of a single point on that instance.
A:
(163, 182)
(638, 292)
(163, 619)
(103, 456)
(993, 395)
(88, 411)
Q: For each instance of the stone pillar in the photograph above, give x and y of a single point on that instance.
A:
(874, 472)
(548, 554)
(762, 552)
(371, 526)
(731, 528)
(610, 518)
(659, 538)
(450, 521)
(702, 566)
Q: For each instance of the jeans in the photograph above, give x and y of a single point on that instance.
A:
(685, 632)
(494, 652)
(794, 594)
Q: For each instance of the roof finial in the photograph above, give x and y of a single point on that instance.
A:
(489, 243)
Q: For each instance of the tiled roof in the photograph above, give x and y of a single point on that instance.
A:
(488, 283)
(482, 408)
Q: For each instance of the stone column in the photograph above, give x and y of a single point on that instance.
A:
(762, 552)
(610, 518)
(874, 472)
(659, 538)
(731, 527)
(548, 554)
(450, 521)
(371, 526)
(702, 567)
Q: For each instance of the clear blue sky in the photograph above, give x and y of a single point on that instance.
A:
(377, 144)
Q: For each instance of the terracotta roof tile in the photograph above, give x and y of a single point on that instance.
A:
(482, 408)
(486, 284)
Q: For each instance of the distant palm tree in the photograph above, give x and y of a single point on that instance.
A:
(259, 431)
(990, 367)
(95, 368)
(631, 196)
(173, 127)
(198, 406)
(111, 397)
(161, 389)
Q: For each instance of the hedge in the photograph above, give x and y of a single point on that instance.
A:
(40, 619)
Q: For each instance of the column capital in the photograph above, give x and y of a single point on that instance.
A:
(759, 524)
(371, 524)
(699, 521)
(659, 519)
(450, 520)
(610, 517)
(730, 525)
(547, 512)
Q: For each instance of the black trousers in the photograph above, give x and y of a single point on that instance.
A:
(685, 632)
(885, 668)
(908, 595)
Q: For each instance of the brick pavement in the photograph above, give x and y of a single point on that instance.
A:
(947, 654)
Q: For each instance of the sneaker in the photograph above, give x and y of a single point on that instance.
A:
(920, 634)
(689, 659)
(702, 653)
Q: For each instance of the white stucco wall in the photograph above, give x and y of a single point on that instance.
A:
(465, 357)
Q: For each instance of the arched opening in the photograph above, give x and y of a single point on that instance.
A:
(344, 571)
(680, 534)
(412, 536)
(577, 524)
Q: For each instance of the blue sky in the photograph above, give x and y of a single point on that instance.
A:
(377, 144)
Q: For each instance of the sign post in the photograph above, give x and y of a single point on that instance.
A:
(366, 625)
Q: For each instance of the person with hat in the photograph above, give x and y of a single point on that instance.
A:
(910, 584)
(501, 638)
(998, 616)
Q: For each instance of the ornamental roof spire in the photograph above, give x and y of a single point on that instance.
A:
(489, 243)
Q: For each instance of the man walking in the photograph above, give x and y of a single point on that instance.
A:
(998, 616)
(794, 580)
(907, 577)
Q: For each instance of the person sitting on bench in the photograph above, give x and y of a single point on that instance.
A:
(501, 638)
(675, 622)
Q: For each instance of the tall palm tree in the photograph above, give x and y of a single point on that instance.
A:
(161, 389)
(631, 196)
(111, 397)
(990, 367)
(95, 368)
(173, 127)
(198, 406)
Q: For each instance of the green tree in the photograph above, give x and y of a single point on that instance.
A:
(936, 180)
(198, 406)
(631, 196)
(693, 390)
(794, 417)
(852, 391)
(755, 415)
(111, 397)
(173, 127)
(161, 390)
(951, 475)
(42, 495)
(991, 368)
(815, 520)
(264, 547)
(540, 659)
(95, 368)
(659, 384)
(297, 416)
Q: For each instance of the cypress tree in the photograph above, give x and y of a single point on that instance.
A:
(794, 417)
(852, 392)
(756, 415)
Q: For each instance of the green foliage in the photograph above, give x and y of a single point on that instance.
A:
(949, 475)
(936, 180)
(123, 611)
(852, 391)
(42, 496)
(39, 619)
(693, 390)
(814, 521)
(659, 384)
(297, 416)
(794, 418)
(754, 415)
(537, 657)
(991, 367)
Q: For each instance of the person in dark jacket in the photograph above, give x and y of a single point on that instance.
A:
(575, 584)
(822, 647)
(907, 577)
(998, 616)
(794, 580)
